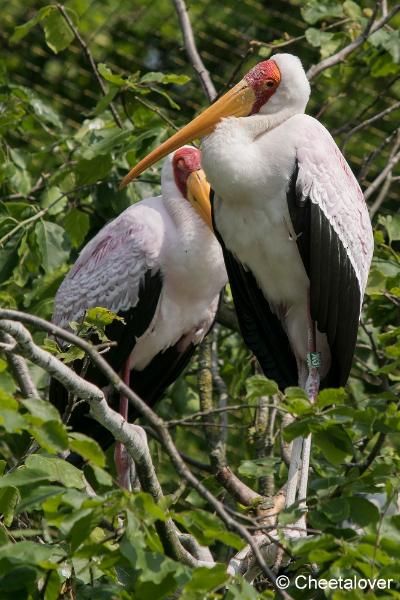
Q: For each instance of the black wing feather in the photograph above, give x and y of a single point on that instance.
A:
(261, 329)
(335, 298)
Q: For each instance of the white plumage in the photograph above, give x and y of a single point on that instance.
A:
(163, 234)
(294, 229)
(159, 266)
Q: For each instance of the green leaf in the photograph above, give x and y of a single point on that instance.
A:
(51, 436)
(206, 579)
(8, 501)
(101, 475)
(331, 396)
(384, 66)
(53, 244)
(23, 476)
(28, 552)
(105, 101)
(73, 353)
(53, 586)
(259, 467)
(57, 32)
(12, 421)
(334, 443)
(153, 77)
(318, 10)
(353, 10)
(328, 42)
(90, 171)
(37, 495)
(57, 469)
(258, 385)
(87, 448)
(42, 409)
(207, 528)
(83, 526)
(392, 225)
(362, 511)
(53, 200)
(77, 225)
(297, 401)
(8, 259)
(100, 317)
(337, 509)
(108, 75)
(22, 30)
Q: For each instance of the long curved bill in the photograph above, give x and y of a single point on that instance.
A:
(198, 194)
(237, 102)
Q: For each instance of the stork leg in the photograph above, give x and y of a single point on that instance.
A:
(123, 461)
(301, 447)
(311, 389)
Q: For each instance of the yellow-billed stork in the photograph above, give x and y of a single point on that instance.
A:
(294, 228)
(159, 266)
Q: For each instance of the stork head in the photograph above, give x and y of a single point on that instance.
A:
(277, 85)
(190, 180)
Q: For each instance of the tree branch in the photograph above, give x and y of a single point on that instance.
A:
(344, 52)
(91, 393)
(191, 50)
(20, 370)
(394, 158)
(369, 121)
(91, 61)
(132, 436)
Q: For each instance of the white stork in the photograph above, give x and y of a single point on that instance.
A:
(294, 228)
(159, 266)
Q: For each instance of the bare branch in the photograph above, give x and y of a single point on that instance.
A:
(20, 369)
(91, 61)
(132, 436)
(91, 392)
(371, 157)
(191, 50)
(394, 158)
(369, 121)
(373, 209)
(344, 52)
(239, 490)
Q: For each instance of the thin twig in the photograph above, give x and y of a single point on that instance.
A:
(91, 61)
(394, 158)
(155, 421)
(157, 111)
(20, 369)
(191, 50)
(365, 167)
(132, 436)
(340, 56)
(369, 121)
(39, 215)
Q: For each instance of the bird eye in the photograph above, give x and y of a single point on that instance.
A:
(181, 164)
(270, 83)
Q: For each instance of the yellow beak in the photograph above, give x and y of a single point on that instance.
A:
(238, 102)
(198, 194)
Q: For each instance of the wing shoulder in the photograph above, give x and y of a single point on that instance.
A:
(112, 267)
(325, 177)
(334, 238)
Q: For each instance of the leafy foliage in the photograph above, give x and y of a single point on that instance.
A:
(61, 158)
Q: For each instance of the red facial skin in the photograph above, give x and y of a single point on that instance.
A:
(264, 79)
(185, 161)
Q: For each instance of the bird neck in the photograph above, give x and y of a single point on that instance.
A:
(230, 154)
(261, 123)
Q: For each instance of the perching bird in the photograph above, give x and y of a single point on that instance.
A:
(159, 266)
(294, 228)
